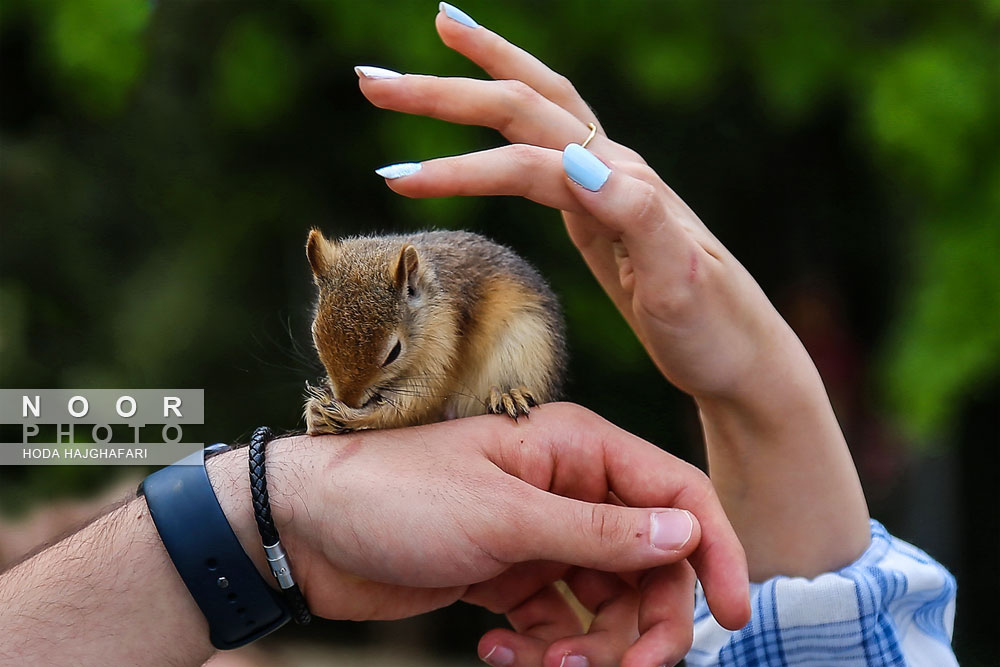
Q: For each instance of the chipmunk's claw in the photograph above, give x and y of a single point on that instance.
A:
(529, 397)
(321, 416)
(514, 403)
(321, 420)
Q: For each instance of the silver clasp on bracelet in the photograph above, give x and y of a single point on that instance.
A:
(278, 561)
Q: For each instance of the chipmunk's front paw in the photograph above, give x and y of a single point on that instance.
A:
(513, 402)
(322, 413)
(323, 419)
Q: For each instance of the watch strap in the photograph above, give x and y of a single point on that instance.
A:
(238, 603)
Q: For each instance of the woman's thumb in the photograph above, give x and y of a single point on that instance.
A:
(634, 208)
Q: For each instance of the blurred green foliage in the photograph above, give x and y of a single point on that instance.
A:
(95, 49)
(917, 83)
(256, 74)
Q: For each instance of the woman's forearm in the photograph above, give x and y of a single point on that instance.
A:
(106, 595)
(781, 466)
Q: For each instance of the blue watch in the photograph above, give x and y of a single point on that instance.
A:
(238, 603)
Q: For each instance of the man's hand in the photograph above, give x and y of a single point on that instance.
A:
(387, 524)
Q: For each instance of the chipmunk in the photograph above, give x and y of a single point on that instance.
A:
(418, 328)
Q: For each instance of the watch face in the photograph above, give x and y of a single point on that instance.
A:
(217, 448)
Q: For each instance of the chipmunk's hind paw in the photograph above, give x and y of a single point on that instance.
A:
(514, 402)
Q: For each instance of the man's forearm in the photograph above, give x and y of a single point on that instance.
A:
(781, 467)
(106, 595)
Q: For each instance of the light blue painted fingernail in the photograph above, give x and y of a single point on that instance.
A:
(456, 14)
(398, 170)
(583, 167)
(370, 72)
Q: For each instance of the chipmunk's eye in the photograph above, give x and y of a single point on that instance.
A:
(409, 291)
(393, 353)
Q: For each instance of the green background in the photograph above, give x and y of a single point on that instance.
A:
(162, 163)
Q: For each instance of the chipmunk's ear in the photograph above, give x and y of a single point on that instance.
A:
(320, 252)
(405, 271)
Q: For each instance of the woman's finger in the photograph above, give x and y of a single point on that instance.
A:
(614, 628)
(666, 612)
(505, 648)
(502, 60)
(535, 608)
(511, 107)
(625, 224)
(634, 209)
(546, 615)
(518, 169)
(594, 588)
(647, 627)
(611, 634)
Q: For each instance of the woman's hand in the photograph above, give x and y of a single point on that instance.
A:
(698, 312)
(387, 524)
(777, 456)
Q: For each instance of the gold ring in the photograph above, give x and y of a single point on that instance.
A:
(593, 133)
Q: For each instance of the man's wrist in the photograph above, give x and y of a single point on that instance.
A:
(229, 475)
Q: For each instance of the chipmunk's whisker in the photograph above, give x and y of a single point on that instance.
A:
(390, 402)
(410, 391)
(423, 376)
(415, 386)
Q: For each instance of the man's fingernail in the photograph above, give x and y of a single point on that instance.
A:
(398, 170)
(370, 72)
(499, 656)
(574, 661)
(670, 530)
(584, 168)
(456, 14)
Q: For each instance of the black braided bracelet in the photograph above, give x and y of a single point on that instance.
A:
(276, 556)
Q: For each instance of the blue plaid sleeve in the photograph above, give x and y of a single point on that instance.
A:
(893, 606)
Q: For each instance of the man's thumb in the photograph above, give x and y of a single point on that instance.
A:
(608, 537)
